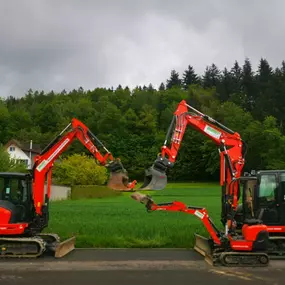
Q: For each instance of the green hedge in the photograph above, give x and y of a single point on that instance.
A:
(92, 191)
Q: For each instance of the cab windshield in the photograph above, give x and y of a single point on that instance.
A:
(13, 189)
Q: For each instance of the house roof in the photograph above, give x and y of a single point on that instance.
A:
(25, 146)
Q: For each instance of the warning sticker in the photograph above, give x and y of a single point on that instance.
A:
(212, 132)
(198, 214)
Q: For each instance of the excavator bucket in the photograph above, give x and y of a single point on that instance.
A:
(118, 179)
(154, 180)
(64, 247)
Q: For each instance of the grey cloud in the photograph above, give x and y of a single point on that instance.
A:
(66, 44)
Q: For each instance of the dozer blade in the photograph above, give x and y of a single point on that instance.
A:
(154, 180)
(64, 247)
(119, 181)
(203, 247)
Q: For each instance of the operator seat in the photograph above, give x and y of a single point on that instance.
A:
(252, 222)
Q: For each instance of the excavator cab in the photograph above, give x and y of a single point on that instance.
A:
(155, 176)
(15, 198)
(263, 197)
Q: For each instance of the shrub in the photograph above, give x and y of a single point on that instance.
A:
(79, 169)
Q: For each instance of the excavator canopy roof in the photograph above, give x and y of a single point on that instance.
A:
(14, 174)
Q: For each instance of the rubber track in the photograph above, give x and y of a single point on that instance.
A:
(41, 240)
(24, 241)
(240, 259)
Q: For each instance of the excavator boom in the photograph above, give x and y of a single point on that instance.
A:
(230, 146)
(44, 161)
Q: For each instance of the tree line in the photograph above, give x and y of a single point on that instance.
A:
(132, 123)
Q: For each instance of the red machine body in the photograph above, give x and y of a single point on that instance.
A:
(232, 151)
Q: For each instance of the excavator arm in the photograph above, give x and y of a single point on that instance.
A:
(230, 146)
(43, 163)
(177, 206)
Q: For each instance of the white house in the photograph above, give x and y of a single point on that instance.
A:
(24, 152)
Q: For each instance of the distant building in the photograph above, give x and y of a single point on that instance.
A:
(24, 152)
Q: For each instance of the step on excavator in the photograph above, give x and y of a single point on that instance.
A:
(253, 229)
(24, 201)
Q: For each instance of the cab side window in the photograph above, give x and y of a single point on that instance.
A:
(267, 187)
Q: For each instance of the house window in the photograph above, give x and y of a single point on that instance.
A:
(25, 161)
(12, 148)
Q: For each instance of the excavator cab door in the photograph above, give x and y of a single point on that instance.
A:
(16, 196)
(247, 208)
(266, 198)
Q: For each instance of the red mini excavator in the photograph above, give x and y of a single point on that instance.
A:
(24, 201)
(229, 248)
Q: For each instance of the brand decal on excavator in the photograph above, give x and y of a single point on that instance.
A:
(199, 215)
(42, 165)
(212, 132)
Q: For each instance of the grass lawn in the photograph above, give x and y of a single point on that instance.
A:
(123, 222)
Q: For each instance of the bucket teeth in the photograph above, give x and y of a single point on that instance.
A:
(64, 247)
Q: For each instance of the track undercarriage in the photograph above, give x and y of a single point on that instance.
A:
(220, 256)
(276, 249)
(36, 246)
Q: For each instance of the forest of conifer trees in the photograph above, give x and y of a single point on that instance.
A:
(133, 123)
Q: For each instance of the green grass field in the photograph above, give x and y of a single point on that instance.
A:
(122, 222)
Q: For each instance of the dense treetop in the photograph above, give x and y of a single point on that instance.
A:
(133, 123)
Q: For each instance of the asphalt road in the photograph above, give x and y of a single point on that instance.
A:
(133, 266)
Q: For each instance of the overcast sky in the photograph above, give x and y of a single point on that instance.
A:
(57, 44)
